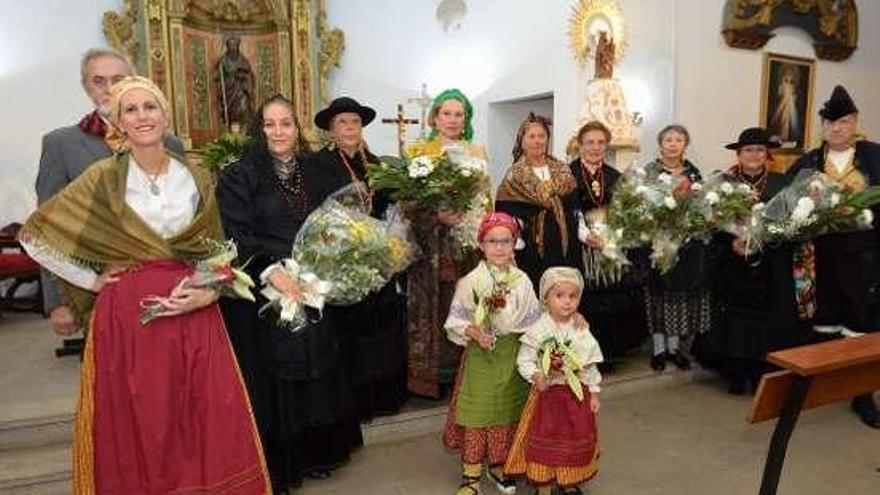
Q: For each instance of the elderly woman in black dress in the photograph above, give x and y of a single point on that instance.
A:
(373, 331)
(615, 309)
(755, 290)
(678, 302)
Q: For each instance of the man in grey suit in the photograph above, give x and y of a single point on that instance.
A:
(68, 151)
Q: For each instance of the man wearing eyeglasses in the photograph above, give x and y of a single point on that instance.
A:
(68, 151)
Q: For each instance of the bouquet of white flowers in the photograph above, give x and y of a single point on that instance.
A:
(433, 178)
(723, 204)
(429, 181)
(650, 209)
(603, 265)
(813, 205)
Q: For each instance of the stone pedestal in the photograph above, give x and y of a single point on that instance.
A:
(606, 103)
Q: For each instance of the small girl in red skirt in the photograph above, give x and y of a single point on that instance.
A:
(556, 442)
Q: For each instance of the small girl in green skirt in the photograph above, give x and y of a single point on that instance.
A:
(491, 307)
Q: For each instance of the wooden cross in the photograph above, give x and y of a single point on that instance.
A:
(401, 122)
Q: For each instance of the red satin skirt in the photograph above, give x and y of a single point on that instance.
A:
(556, 441)
(163, 408)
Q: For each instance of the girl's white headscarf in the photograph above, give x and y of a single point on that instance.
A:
(558, 274)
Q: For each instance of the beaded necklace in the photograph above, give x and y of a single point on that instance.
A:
(363, 191)
(758, 182)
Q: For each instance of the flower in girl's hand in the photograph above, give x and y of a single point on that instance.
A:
(498, 301)
(556, 362)
(558, 356)
(487, 303)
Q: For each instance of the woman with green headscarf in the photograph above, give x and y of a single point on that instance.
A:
(431, 281)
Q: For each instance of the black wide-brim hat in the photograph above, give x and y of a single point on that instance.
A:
(839, 105)
(343, 104)
(754, 135)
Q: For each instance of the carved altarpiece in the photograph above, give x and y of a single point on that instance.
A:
(833, 24)
(177, 44)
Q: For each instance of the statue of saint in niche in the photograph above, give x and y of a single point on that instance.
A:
(236, 82)
(604, 56)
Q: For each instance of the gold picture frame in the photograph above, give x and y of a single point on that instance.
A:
(787, 101)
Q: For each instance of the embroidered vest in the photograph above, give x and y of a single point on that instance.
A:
(850, 178)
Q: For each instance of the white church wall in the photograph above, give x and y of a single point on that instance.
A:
(717, 88)
(676, 68)
(504, 50)
(40, 46)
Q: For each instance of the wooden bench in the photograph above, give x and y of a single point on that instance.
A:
(812, 376)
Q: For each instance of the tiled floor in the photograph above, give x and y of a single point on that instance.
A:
(684, 437)
(690, 440)
(33, 381)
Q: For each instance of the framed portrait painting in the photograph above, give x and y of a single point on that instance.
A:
(787, 100)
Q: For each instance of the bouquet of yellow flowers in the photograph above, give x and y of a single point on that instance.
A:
(341, 254)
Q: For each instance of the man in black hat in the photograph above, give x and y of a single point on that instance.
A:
(848, 264)
(374, 329)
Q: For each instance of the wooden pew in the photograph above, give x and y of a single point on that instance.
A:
(812, 376)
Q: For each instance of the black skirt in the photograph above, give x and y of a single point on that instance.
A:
(300, 392)
(757, 310)
(373, 338)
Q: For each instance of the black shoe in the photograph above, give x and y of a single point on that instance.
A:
(504, 484)
(658, 362)
(865, 409)
(680, 360)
